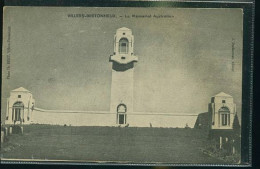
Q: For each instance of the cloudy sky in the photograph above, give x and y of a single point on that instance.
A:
(183, 60)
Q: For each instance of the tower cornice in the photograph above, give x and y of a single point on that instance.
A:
(123, 59)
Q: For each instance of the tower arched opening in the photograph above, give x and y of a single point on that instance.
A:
(224, 116)
(123, 46)
(18, 112)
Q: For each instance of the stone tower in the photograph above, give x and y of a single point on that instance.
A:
(222, 110)
(122, 74)
(20, 107)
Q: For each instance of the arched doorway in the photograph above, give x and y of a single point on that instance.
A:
(224, 116)
(121, 114)
(18, 112)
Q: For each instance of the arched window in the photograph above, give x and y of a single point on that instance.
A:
(121, 114)
(224, 115)
(18, 112)
(123, 46)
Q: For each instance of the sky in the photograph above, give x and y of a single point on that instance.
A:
(183, 60)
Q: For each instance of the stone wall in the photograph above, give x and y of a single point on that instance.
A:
(105, 118)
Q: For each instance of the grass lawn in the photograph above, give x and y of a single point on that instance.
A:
(114, 144)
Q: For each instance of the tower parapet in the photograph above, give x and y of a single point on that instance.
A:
(123, 56)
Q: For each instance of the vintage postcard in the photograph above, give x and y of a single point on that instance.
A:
(122, 85)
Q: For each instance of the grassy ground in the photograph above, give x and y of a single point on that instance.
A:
(166, 145)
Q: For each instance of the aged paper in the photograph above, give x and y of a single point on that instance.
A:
(123, 85)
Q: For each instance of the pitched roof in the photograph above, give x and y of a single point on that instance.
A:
(20, 89)
(222, 94)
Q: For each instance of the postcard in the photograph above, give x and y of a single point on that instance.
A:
(123, 85)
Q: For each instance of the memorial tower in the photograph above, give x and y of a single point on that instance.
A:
(122, 74)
